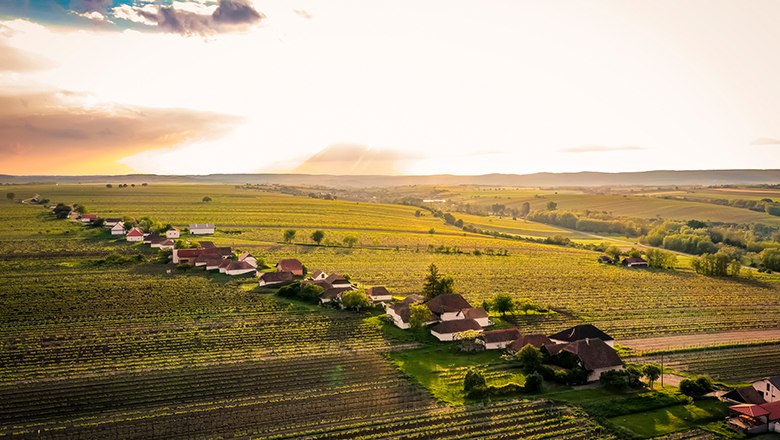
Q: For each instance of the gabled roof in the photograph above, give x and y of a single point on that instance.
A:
(333, 292)
(322, 283)
(277, 277)
(593, 353)
(225, 263)
(447, 303)
(190, 253)
(474, 313)
(745, 395)
(317, 273)
(537, 340)
(244, 256)
(239, 265)
(582, 331)
(119, 225)
(289, 265)
(206, 244)
(773, 409)
(633, 260)
(456, 326)
(504, 335)
(172, 228)
(774, 380)
(335, 278)
(113, 220)
(402, 309)
(377, 291)
(202, 226)
(749, 409)
(135, 232)
(88, 216)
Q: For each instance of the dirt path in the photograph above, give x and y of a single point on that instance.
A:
(701, 340)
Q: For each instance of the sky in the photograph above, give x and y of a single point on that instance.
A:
(387, 86)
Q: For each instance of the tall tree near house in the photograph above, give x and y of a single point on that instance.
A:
(652, 372)
(317, 236)
(430, 288)
(503, 303)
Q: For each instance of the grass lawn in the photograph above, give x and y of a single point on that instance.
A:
(440, 368)
(670, 419)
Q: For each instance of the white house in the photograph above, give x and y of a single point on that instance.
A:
(165, 244)
(224, 265)
(249, 258)
(203, 229)
(118, 229)
(239, 268)
(135, 235)
(337, 281)
(448, 330)
(88, 218)
(448, 307)
(500, 339)
(379, 293)
(111, 222)
(477, 314)
(172, 233)
(768, 388)
(318, 275)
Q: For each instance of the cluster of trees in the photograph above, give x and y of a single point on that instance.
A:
(589, 221)
(476, 387)
(304, 292)
(124, 185)
(317, 236)
(696, 387)
(764, 205)
(436, 284)
(503, 303)
(532, 361)
(719, 264)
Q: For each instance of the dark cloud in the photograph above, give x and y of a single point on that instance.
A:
(601, 148)
(766, 141)
(49, 128)
(352, 159)
(230, 15)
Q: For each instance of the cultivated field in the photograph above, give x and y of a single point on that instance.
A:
(95, 351)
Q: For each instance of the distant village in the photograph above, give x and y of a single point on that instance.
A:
(756, 407)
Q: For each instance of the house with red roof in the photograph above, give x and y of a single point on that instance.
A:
(135, 235)
(290, 265)
(750, 418)
(88, 218)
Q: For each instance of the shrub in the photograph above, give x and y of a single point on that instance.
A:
(696, 387)
(533, 383)
(474, 378)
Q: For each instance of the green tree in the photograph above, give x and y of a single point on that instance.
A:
(525, 209)
(652, 372)
(525, 305)
(81, 209)
(503, 303)
(317, 236)
(696, 387)
(206, 199)
(659, 259)
(770, 258)
(614, 253)
(552, 206)
(533, 383)
(350, 241)
(431, 286)
(446, 286)
(355, 299)
(10, 196)
(529, 357)
(473, 379)
(431, 231)
(289, 234)
(419, 315)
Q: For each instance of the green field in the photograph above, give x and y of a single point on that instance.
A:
(134, 351)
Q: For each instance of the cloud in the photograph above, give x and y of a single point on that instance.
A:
(766, 141)
(188, 18)
(601, 148)
(53, 132)
(16, 60)
(352, 159)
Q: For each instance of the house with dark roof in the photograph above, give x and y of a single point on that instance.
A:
(190, 255)
(111, 222)
(337, 280)
(535, 339)
(290, 265)
(476, 313)
(164, 244)
(332, 294)
(88, 218)
(400, 311)
(239, 268)
(379, 293)
(499, 339)
(249, 258)
(746, 394)
(448, 330)
(582, 331)
(769, 388)
(606, 260)
(593, 355)
(634, 262)
(318, 275)
(448, 307)
(275, 278)
(213, 262)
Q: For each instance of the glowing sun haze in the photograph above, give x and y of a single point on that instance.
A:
(378, 87)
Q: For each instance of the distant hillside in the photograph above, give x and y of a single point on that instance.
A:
(652, 178)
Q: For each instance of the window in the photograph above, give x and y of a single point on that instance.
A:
(767, 387)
